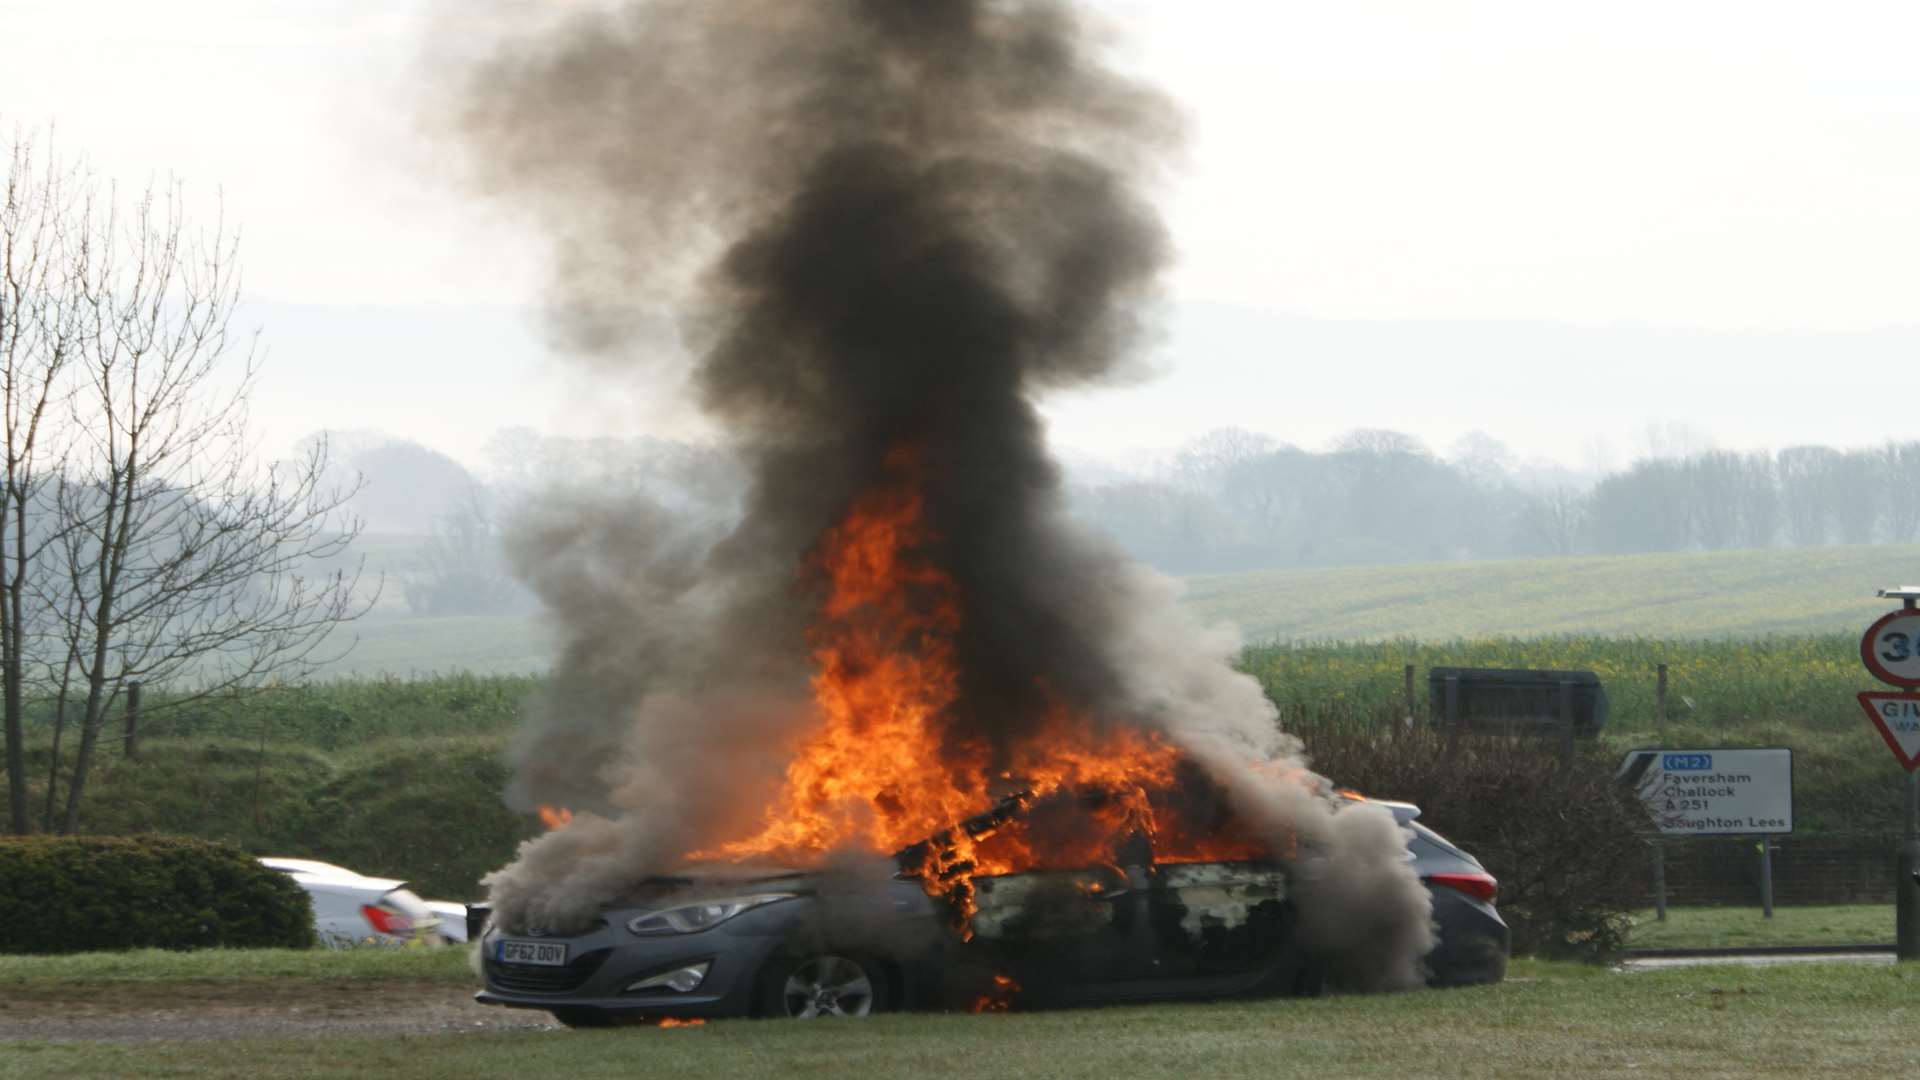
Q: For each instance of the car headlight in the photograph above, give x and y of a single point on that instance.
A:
(680, 980)
(693, 918)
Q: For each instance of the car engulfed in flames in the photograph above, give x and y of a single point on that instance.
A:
(720, 939)
(1108, 865)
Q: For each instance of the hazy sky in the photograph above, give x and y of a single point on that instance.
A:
(1553, 222)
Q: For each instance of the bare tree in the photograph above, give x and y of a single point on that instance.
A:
(1203, 464)
(1759, 498)
(466, 571)
(39, 337)
(1856, 495)
(1485, 461)
(1713, 492)
(1269, 491)
(1806, 491)
(1551, 521)
(1900, 475)
(164, 553)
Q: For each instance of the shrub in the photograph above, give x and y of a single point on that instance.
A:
(243, 793)
(61, 894)
(1568, 844)
(426, 810)
(338, 715)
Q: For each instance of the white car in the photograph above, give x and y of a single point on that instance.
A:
(351, 909)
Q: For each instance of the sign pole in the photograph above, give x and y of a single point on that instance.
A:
(1659, 881)
(1906, 908)
(1906, 915)
(1766, 878)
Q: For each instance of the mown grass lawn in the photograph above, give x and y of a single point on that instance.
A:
(1737, 927)
(158, 967)
(1799, 1020)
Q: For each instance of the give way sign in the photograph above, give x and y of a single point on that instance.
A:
(1898, 718)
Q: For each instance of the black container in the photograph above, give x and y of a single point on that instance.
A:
(1515, 700)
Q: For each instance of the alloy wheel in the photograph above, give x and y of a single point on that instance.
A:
(828, 986)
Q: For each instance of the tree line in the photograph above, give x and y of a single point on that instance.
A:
(1231, 500)
(1235, 500)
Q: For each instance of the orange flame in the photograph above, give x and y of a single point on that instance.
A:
(999, 999)
(554, 817)
(887, 767)
(672, 1022)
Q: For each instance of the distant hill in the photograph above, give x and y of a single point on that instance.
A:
(1696, 595)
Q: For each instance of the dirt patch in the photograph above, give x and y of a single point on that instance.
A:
(135, 1012)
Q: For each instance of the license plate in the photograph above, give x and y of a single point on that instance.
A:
(545, 953)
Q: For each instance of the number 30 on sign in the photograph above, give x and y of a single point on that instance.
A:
(1891, 648)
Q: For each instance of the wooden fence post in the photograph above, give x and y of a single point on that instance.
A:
(133, 721)
(1660, 701)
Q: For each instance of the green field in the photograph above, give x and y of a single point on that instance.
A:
(1799, 1020)
(390, 643)
(1725, 595)
(1701, 595)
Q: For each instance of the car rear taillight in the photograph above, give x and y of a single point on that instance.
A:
(386, 920)
(1478, 886)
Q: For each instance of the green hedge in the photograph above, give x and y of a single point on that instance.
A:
(428, 811)
(1568, 843)
(64, 894)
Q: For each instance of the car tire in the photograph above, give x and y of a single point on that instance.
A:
(575, 1017)
(820, 983)
(1476, 960)
(1311, 978)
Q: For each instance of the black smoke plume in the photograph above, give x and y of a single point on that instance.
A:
(874, 224)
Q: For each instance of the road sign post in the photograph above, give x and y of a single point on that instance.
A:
(1718, 792)
(1766, 878)
(1890, 649)
(1907, 909)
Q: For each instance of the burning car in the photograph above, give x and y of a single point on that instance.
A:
(908, 225)
(726, 941)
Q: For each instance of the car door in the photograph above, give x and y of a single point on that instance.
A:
(1062, 934)
(1218, 925)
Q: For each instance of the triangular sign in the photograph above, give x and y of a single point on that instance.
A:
(1898, 718)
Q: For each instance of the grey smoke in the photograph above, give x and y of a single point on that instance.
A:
(877, 223)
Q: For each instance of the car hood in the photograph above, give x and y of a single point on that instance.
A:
(698, 881)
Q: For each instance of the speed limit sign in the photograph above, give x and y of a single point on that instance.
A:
(1891, 648)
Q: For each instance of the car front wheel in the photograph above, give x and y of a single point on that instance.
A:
(816, 985)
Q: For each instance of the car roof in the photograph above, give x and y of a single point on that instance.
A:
(307, 866)
(313, 872)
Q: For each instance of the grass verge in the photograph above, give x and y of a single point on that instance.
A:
(1740, 927)
(157, 966)
(1798, 1020)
